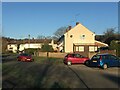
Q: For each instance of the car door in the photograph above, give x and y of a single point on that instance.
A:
(78, 58)
(114, 60)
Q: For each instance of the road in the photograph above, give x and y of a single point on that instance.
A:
(56, 75)
(96, 77)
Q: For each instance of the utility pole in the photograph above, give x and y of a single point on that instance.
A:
(29, 41)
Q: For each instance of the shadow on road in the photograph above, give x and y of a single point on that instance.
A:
(113, 78)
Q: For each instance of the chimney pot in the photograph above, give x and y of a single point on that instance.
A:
(70, 27)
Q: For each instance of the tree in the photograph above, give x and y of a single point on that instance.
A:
(114, 45)
(40, 37)
(109, 32)
(44, 37)
(109, 35)
(60, 31)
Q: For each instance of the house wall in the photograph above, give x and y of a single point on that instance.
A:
(12, 47)
(26, 46)
(79, 34)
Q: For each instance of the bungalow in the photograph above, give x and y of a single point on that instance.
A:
(79, 39)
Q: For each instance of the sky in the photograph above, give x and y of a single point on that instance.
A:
(20, 19)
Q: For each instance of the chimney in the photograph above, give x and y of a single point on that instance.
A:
(66, 30)
(70, 27)
(77, 23)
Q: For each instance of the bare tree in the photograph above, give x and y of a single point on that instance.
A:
(109, 32)
(60, 31)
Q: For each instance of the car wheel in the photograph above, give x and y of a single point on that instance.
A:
(105, 66)
(69, 63)
(87, 62)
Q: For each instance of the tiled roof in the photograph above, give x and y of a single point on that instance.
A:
(100, 44)
(31, 41)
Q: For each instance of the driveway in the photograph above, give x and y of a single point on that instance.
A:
(52, 73)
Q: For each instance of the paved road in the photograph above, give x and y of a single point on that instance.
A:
(56, 75)
(96, 77)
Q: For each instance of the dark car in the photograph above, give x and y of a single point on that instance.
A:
(74, 58)
(25, 57)
(104, 60)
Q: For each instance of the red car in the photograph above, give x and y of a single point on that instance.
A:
(25, 57)
(75, 58)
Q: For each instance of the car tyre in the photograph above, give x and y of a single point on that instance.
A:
(87, 63)
(105, 66)
(69, 63)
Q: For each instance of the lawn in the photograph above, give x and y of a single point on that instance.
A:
(42, 73)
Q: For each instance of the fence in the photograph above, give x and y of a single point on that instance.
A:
(62, 55)
(50, 54)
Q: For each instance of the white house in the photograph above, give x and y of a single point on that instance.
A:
(36, 43)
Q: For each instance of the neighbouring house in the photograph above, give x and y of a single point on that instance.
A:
(12, 47)
(34, 43)
(79, 39)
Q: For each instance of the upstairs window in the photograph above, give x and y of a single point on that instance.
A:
(82, 36)
(71, 36)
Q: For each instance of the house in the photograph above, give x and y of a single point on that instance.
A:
(33, 43)
(79, 39)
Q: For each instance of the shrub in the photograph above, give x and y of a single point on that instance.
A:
(30, 51)
(47, 48)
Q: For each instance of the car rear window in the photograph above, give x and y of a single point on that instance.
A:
(70, 55)
(25, 54)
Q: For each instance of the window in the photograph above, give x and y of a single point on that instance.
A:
(70, 55)
(77, 48)
(11, 48)
(92, 48)
(71, 36)
(95, 57)
(113, 57)
(82, 36)
(81, 48)
(77, 56)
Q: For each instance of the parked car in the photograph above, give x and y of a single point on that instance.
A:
(104, 60)
(25, 57)
(74, 58)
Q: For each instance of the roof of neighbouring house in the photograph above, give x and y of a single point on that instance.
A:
(21, 41)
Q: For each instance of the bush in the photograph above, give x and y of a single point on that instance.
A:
(47, 48)
(30, 50)
(115, 46)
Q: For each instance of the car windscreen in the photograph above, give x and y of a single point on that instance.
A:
(96, 57)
